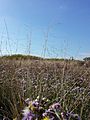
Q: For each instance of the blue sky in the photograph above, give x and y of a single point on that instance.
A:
(67, 23)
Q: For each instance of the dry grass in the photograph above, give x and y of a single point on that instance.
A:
(65, 81)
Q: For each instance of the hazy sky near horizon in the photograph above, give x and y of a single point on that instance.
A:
(68, 22)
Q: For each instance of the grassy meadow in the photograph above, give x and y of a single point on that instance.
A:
(59, 80)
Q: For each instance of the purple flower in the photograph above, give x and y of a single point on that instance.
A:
(35, 104)
(66, 116)
(74, 116)
(28, 115)
(56, 106)
(51, 114)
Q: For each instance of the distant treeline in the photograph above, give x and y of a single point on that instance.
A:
(25, 57)
(20, 56)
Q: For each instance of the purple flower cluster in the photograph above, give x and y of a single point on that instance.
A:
(39, 110)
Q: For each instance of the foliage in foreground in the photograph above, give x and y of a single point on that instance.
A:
(64, 82)
(40, 109)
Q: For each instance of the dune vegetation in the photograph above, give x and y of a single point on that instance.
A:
(62, 81)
